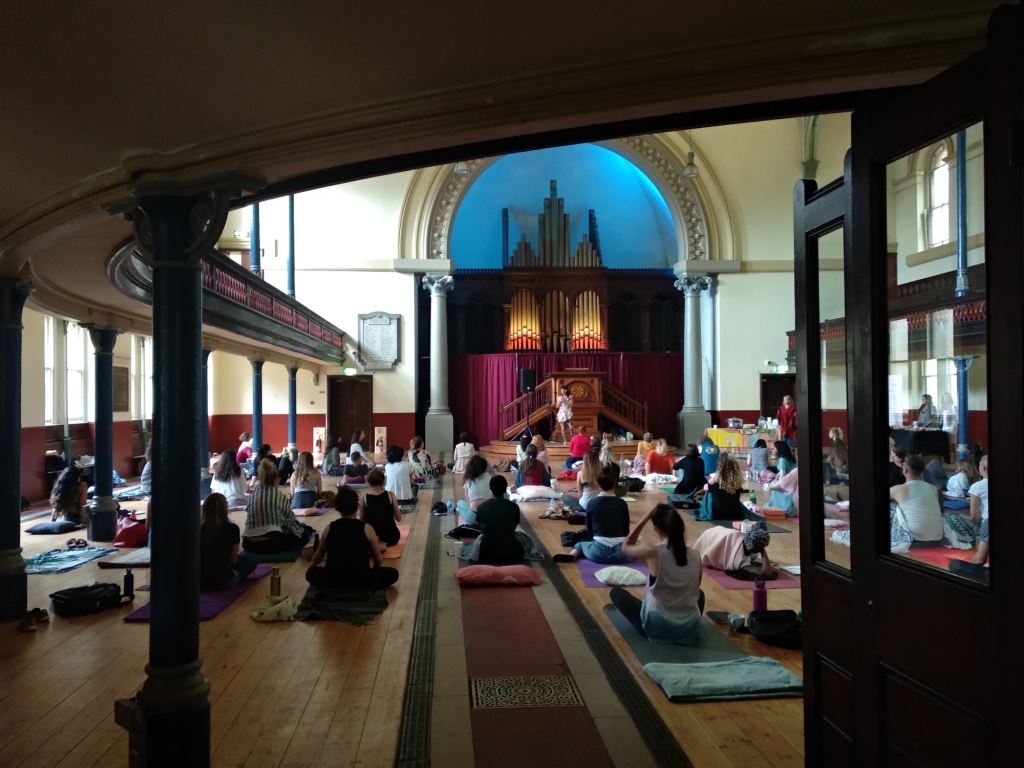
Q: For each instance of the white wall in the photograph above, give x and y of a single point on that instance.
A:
(32, 363)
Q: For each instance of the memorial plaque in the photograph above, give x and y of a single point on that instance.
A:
(121, 389)
(379, 341)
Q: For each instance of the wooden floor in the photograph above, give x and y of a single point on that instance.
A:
(324, 693)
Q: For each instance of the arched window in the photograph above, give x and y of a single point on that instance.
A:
(937, 191)
(665, 328)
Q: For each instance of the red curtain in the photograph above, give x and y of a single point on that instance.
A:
(480, 384)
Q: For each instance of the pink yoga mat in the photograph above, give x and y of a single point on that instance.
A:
(588, 569)
(210, 603)
(785, 581)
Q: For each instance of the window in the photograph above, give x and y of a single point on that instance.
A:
(48, 364)
(938, 198)
(76, 367)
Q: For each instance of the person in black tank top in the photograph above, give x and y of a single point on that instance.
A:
(348, 545)
(380, 509)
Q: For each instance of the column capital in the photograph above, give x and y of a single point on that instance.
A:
(103, 339)
(438, 285)
(257, 364)
(693, 285)
(13, 295)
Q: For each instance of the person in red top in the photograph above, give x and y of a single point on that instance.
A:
(659, 462)
(578, 447)
(787, 419)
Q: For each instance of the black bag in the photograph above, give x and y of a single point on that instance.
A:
(633, 484)
(683, 501)
(463, 532)
(82, 601)
(576, 519)
(572, 538)
(781, 628)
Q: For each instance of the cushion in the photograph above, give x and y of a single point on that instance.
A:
(497, 576)
(620, 576)
(309, 511)
(57, 526)
(536, 493)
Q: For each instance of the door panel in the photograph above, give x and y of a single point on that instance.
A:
(931, 682)
(349, 407)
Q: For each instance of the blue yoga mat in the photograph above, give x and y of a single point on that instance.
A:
(60, 560)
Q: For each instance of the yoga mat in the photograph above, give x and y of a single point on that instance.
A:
(61, 560)
(772, 528)
(711, 645)
(136, 558)
(588, 568)
(395, 550)
(627, 498)
(288, 556)
(956, 504)
(352, 606)
(785, 581)
(210, 603)
(667, 488)
(941, 556)
(749, 678)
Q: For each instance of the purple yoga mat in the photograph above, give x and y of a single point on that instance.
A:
(785, 581)
(588, 569)
(210, 603)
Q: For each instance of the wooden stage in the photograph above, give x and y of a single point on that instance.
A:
(498, 450)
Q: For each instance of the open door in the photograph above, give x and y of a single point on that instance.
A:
(909, 658)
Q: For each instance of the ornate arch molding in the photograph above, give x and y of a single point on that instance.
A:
(437, 194)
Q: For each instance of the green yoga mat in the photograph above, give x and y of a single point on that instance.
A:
(712, 644)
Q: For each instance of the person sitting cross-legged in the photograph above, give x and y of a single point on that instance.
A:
(270, 524)
(222, 564)
(380, 509)
(917, 503)
(498, 518)
(348, 545)
(607, 526)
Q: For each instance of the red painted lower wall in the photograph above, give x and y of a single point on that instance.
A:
(33, 476)
(226, 427)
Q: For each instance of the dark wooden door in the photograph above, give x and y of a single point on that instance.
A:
(349, 407)
(775, 386)
(907, 663)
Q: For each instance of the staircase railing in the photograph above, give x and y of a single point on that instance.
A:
(631, 411)
(525, 410)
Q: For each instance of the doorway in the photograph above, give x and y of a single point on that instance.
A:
(774, 387)
(349, 407)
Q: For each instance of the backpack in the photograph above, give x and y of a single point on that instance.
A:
(683, 501)
(781, 628)
(463, 532)
(82, 601)
(572, 538)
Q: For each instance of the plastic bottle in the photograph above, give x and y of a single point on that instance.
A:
(450, 506)
(753, 497)
(129, 584)
(760, 595)
(275, 581)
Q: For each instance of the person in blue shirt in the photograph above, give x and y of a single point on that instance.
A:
(709, 452)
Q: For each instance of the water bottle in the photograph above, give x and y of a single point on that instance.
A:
(275, 581)
(760, 595)
(450, 506)
(129, 584)
(753, 497)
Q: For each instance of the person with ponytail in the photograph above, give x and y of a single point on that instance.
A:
(673, 601)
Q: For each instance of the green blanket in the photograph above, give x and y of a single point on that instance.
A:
(750, 678)
(60, 560)
(353, 606)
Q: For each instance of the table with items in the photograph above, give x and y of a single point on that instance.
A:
(742, 440)
(923, 441)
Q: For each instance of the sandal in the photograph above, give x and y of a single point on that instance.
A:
(548, 513)
(77, 544)
(563, 558)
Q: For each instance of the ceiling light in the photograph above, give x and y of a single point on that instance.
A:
(462, 168)
(690, 170)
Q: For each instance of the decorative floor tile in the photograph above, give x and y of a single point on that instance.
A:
(519, 692)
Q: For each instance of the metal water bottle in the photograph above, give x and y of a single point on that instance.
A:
(275, 581)
(129, 584)
(760, 595)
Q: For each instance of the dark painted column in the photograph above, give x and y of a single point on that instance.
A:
(291, 247)
(13, 581)
(103, 510)
(254, 241)
(292, 407)
(257, 405)
(204, 426)
(146, 406)
(963, 367)
(169, 721)
(962, 287)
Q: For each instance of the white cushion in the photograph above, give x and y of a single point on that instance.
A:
(620, 576)
(535, 493)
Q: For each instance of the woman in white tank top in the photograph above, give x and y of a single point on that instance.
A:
(673, 601)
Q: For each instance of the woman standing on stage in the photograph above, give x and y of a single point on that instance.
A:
(564, 415)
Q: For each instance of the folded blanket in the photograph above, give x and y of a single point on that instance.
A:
(748, 678)
(353, 606)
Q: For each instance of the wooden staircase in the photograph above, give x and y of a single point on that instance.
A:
(531, 408)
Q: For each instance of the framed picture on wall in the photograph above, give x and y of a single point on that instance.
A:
(122, 399)
(380, 440)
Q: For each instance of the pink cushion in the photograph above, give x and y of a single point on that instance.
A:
(497, 576)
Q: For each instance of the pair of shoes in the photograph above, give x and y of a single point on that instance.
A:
(548, 513)
(563, 558)
(77, 543)
(31, 619)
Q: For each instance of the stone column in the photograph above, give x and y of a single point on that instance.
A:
(103, 510)
(439, 423)
(13, 580)
(169, 719)
(257, 405)
(693, 419)
(204, 426)
(292, 408)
